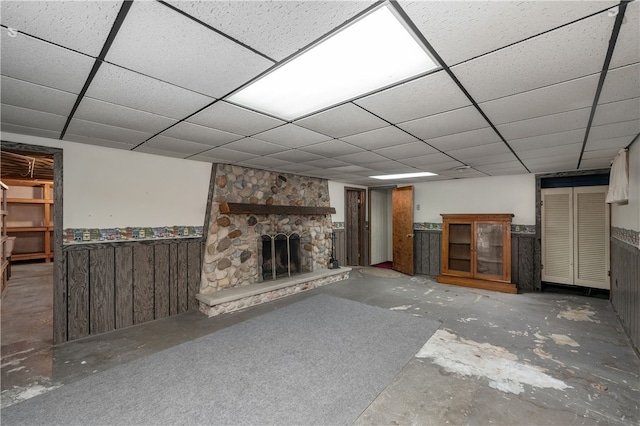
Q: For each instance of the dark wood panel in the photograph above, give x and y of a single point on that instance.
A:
(524, 262)
(182, 268)
(423, 253)
(173, 279)
(124, 286)
(102, 294)
(60, 300)
(193, 274)
(78, 292)
(514, 259)
(161, 278)
(625, 292)
(340, 248)
(143, 299)
(435, 250)
(242, 208)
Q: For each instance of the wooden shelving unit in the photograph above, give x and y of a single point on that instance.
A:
(4, 263)
(30, 214)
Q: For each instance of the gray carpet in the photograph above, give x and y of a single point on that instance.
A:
(318, 361)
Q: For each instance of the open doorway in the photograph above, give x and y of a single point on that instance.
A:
(355, 226)
(381, 226)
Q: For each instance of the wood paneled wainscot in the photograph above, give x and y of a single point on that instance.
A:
(476, 251)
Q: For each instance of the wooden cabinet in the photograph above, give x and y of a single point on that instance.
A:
(30, 218)
(476, 251)
(4, 263)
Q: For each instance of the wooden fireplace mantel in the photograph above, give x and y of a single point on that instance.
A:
(245, 208)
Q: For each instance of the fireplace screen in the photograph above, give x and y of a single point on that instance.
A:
(281, 256)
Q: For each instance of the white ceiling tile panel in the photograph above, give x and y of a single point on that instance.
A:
(255, 146)
(127, 88)
(103, 131)
(573, 51)
(621, 83)
(454, 174)
(33, 96)
(595, 163)
(31, 118)
(176, 145)
(162, 43)
(550, 152)
(39, 62)
(515, 170)
(234, 119)
(554, 123)
(292, 136)
(296, 156)
(600, 154)
(430, 159)
(446, 123)
(614, 112)
(120, 116)
(627, 50)
(31, 131)
(304, 169)
(565, 166)
(79, 25)
(461, 30)
(380, 138)
(408, 150)
(264, 163)
(200, 134)
(608, 143)
(391, 167)
(277, 29)
(479, 151)
(91, 140)
(614, 130)
(561, 97)
(326, 163)
(465, 139)
(429, 95)
(550, 140)
(571, 159)
(351, 169)
(492, 168)
(332, 148)
(344, 120)
(157, 151)
(361, 158)
(225, 155)
(439, 167)
(507, 157)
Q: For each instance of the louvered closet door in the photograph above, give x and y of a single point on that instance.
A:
(591, 223)
(557, 235)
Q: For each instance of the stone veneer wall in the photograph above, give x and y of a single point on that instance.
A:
(232, 256)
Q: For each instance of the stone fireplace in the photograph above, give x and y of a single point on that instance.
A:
(281, 256)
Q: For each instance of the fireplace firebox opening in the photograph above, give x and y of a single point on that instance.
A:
(281, 256)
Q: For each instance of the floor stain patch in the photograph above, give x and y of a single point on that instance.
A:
(561, 339)
(400, 308)
(583, 313)
(498, 365)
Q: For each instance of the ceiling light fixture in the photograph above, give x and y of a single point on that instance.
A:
(375, 51)
(403, 175)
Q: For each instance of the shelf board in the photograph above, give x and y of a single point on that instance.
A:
(28, 201)
(29, 228)
(245, 208)
(31, 256)
(466, 259)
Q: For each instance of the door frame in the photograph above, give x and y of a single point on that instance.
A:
(537, 263)
(362, 253)
(370, 233)
(59, 260)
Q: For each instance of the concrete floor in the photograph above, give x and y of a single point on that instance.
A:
(535, 358)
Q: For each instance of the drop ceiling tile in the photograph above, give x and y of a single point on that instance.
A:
(224, 155)
(180, 146)
(162, 43)
(569, 52)
(515, 170)
(554, 123)
(614, 112)
(463, 154)
(31, 131)
(627, 49)
(440, 167)
(299, 169)
(493, 168)
(234, 119)
(255, 146)
(600, 154)
(165, 153)
(608, 143)
(351, 168)
(264, 163)
(465, 174)
(326, 163)
(127, 88)
(332, 148)
(505, 158)
(292, 136)
(344, 120)
(39, 62)
(91, 140)
(461, 30)
(408, 150)
(614, 130)
(200, 134)
(391, 167)
(465, 139)
(561, 97)
(551, 151)
(31, 118)
(595, 163)
(277, 29)
(571, 159)
(554, 139)
(361, 158)
(82, 26)
(431, 159)
(295, 156)
(565, 166)
(91, 129)
(428, 95)
(120, 116)
(33, 96)
(380, 138)
(621, 83)
(446, 123)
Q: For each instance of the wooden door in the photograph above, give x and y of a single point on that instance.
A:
(402, 200)
(354, 226)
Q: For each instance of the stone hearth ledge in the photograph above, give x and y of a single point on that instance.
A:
(234, 299)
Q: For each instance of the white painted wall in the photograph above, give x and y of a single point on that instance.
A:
(628, 216)
(495, 194)
(336, 199)
(381, 226)
(108, 188)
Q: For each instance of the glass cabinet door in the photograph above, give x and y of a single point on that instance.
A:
(460, 247)
(489, 249)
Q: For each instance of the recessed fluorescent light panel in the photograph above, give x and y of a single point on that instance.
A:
(373, 52)
(404, 176)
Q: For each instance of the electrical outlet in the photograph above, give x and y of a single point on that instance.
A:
(417, 206)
